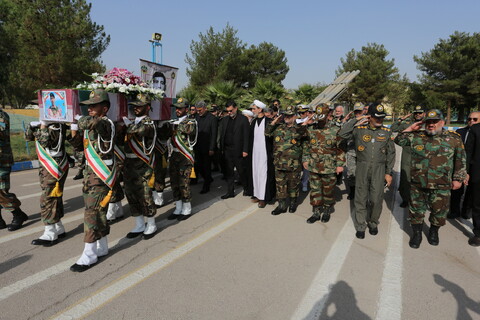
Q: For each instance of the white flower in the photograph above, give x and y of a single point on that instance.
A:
(127, 80)
(122, 89)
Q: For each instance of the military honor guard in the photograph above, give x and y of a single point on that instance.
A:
(375, 153)
(324, 159)
(138, 173)
(183, 138)
(161, 156)
(50, 145)
(287, 154)
(439, 166)
(96, 134)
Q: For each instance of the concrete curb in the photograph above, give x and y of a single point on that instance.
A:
(25, 165)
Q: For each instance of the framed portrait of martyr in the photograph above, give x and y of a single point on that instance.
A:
(58, 105)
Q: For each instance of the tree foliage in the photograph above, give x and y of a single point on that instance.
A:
(451, 72)
(54, 43)
(305, 93)
(377, 73)
(265, 61)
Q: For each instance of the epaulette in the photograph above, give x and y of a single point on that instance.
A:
(362, 127)
(458, 134)
(385, 128)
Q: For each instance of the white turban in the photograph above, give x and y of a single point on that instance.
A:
(247, 113)
(259, 104)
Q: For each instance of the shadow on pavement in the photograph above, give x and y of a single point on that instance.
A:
(464, 302)
(13, 263)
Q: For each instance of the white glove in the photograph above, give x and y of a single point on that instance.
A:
(35, 124)
(126, 121)
(77, 117)
(74, 127)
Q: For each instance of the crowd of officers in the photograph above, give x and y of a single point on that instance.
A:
(304, 144)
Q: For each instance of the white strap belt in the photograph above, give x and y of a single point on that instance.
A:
(108, 162)
(131, 155)
(55, 154)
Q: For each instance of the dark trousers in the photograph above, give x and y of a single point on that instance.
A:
(203, 166)
(232, 161)
(456, 198)
(475, 187)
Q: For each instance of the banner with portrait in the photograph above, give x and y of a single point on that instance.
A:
(162, 77)
(58, 105)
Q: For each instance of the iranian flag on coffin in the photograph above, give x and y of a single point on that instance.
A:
(161, 77)
(58, 105)
(118, 106)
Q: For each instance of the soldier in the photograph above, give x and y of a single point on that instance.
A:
(350, 155)
(161, 156)
(96, 134)
(303, 112)
(324, 159)
(287, 153)
(398, 126)
(375, 160)
(50, 146)
(8, 201)
(440, 165)
(183, 138)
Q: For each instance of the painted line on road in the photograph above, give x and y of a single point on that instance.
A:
(389, 304)
(137, 276)
(311, 307)
(30, 184)
(38, 194)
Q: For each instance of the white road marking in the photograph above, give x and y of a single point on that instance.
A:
(30, 184)
(390, 297)
(38, 194)
(311, 307)
(108, 293)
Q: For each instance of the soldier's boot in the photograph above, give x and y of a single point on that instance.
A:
(158, 198)
(151, 228)
(433, 235)
(178, 210)
(115, 211)
(281, 208)
(3, 225)
(102, 246)
(48, 238)
(416, 238)
(317, 212)
(293, 205)
(19, 217)
(60, 229)
(186, 211)
(139, 228)
(326, 213)
(88, 258)
(351, 193)
(79, 175)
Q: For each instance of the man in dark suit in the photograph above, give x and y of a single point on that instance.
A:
(205, 146)
(233, 142)
(456, 196)
(473, 169)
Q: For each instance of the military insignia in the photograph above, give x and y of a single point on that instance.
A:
(380, 108)
(85, 143)
(432, 114)
(180, 100)
(367, 138)
(419, 148)
(361, 148)
(92, 94)
(381, 138)
(313, 141)
(277, 139)
(173, 75)
(294, 141)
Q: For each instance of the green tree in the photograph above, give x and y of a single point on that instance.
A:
(267, 90)
(451, 72)
(54, 43)
(265, 61)
(222, 92)
(191, 94)
(305, 93)
(377, 73)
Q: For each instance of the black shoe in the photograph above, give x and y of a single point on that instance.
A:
(262, 204)
(3, 225)
(149, 236)
(172, 217)
(227, 195)
(373, 231)
(45, 243)
(351, 194)
(19, 217)
(293, 205)
(132, 235)
(313, 219)
(474, 241)
(404, 204)
(79, 175)
(80, 267)
(325, 217)
(466, 214)
(360, 234)
(433, 236)
(182, 217)
(279, 210)
(416, 238)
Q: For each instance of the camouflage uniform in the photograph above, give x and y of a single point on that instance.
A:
(287, 153)
(94, 189)
(323, 155)
(137, 173)
(375, 153)
(8, 201)
(51, 208)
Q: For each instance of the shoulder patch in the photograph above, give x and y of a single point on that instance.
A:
(385, 128)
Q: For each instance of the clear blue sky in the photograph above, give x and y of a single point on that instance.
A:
(313, 34)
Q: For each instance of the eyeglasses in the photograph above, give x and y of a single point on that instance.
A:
(229, 111)
(474, 119)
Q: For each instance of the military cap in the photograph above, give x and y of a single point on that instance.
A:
(322, 108)
(434, 114)
(181, 103)
(358, 106)
(96, 96)
(302, 108)
(290, 111)
(418, 109)
(377, 110)
(141, 100)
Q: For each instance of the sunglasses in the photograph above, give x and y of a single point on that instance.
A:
(474, 119)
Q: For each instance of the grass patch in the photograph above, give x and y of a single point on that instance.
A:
(20, 151)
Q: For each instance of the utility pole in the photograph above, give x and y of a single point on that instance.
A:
(156, 38)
